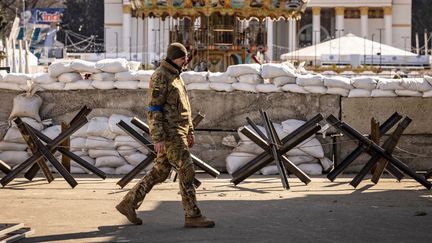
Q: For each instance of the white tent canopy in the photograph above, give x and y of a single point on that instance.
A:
(349, 45)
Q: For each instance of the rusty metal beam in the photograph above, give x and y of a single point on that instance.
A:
(351, 132)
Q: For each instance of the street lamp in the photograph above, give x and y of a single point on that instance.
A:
(405, 38)
(380, 53)
(339, 34)
(372, 51)
(315, 44)
(116, 43)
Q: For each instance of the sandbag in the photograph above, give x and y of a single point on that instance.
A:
(135, 159)
(311, 169)
(245, 87)
(406, 92)
(220, 77)
(112, 65)
(270, 170)
(236, 160)
(267, 88)
(310, 80)
(194, 77)
(383, 93)
(52, 131)
(126, 76)
(52, 86)
(42, 78)
(126, 140)
(294, 88)
(198, 86)
(13, 158)
(79, 85)
(225, 87)
(69, 77)
(297, 160)
(78, 143)
(416, 84)
(81, 132)
(13, 135)
(124, 169)
(103, 84)
(10, 146)
(248, 147)
(28, 106)
(108, 170)
(83, 66)
(95, 153)
(250, 79)
(57, 68)
(312, 147)
(17, 78)
(271, 70)
(126, 150)
(144, 75)
(103, 76)
(364, 82)
(31, 122)
(110, 161)
(241, 69)
(99, 127)
(338, 82)
(144, 85)
(282, 80)
(114, 119)
(359, 93)
(126, 84)
(10, 86)
(389, 84)
(99, 143)
(326, 164)
(338, 91)
(427, 94)
(316, 89)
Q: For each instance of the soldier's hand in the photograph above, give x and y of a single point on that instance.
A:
(191, 140)
(159, 147)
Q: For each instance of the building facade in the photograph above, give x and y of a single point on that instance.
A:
(136, 37)
(385, 21)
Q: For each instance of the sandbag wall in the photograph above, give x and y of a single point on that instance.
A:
(115, 86)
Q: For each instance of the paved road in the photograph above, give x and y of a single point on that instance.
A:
(258, 210)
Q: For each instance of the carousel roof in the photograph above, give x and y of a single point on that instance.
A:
(244, 9)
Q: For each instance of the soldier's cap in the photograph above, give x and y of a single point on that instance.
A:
(176, 50)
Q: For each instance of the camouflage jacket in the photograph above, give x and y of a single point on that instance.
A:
(169, 108)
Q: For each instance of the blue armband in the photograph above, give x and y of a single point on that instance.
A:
(155, 108)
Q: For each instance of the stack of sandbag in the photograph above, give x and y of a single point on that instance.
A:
(308, 156)
(195, 80)
(308, 83)
(13, 148)
(144, 78)
(14, 81)
(278, 76)
(363, 86)
(247, 75)
(221, 81)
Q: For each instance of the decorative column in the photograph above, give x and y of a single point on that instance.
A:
(364, 21)
(292, 34)
(270, 41)
(316, 25)
(388, 28)
(340, 15)
(140, 44)
(126, 33)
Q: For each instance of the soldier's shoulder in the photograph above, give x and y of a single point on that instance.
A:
(159, 76)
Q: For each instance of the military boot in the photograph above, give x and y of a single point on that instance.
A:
(127, 209)
(198, 222)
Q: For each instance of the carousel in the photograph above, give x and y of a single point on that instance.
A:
(220, 33)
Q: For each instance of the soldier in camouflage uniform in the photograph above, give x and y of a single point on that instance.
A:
(172, 133)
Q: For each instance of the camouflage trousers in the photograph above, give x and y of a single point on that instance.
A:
(176, 155)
